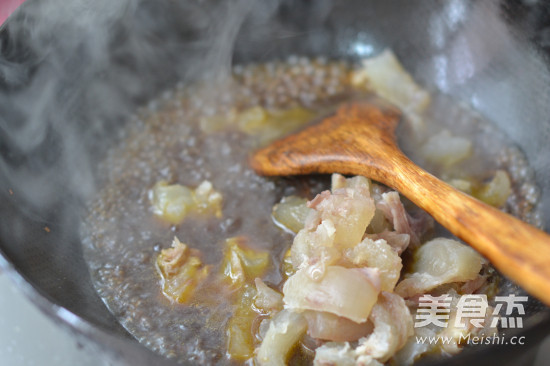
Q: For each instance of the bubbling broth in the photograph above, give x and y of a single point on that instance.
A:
(206, 132)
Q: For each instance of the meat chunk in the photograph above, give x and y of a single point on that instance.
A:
(337, 221)
(385, 75)
(438, 262)
(350, 209)
(331, 354)
(347, 292)
(377, 254)
(315, 247)
(393, 325)
(398, 242)
(266, 298)
(393, 209)
(330, 327)
(284, 331)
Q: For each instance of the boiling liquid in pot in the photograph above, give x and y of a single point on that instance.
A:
(167, 141)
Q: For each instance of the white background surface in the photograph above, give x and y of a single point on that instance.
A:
(29, 338)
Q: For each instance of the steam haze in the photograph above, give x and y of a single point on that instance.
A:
(72, 72)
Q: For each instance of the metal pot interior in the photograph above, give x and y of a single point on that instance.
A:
(72, 73)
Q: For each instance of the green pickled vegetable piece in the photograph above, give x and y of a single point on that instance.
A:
(265, 124)
(462, 185)
(242, 264)
(240, 340)
(288, 120)
(291, 213)
(210, 124)
(252, 120)
(282, 122)
(173, 202)
(496, 192)
(446, 149)
(182, 271)
(208, 200)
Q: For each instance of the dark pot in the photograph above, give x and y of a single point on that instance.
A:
(70, 74)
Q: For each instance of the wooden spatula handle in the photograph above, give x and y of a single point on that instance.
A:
(518, 250)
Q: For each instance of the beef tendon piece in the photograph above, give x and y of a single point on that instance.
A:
(393, 325)
(336, 353)
(330, 327)
(350, 209)
(285, 330)
(347, 292)
(438, 262)
(377, 254)
(385, 75)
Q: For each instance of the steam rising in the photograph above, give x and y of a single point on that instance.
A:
(71, 73)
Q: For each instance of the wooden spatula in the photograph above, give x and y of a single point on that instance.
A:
(360, 139)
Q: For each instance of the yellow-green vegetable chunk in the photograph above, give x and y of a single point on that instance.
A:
(173, 202)
(242, 264)
(182, 271)
(496, 192)
(291, 213)
(240, 341)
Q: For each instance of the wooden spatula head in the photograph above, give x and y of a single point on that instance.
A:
(362, 130)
